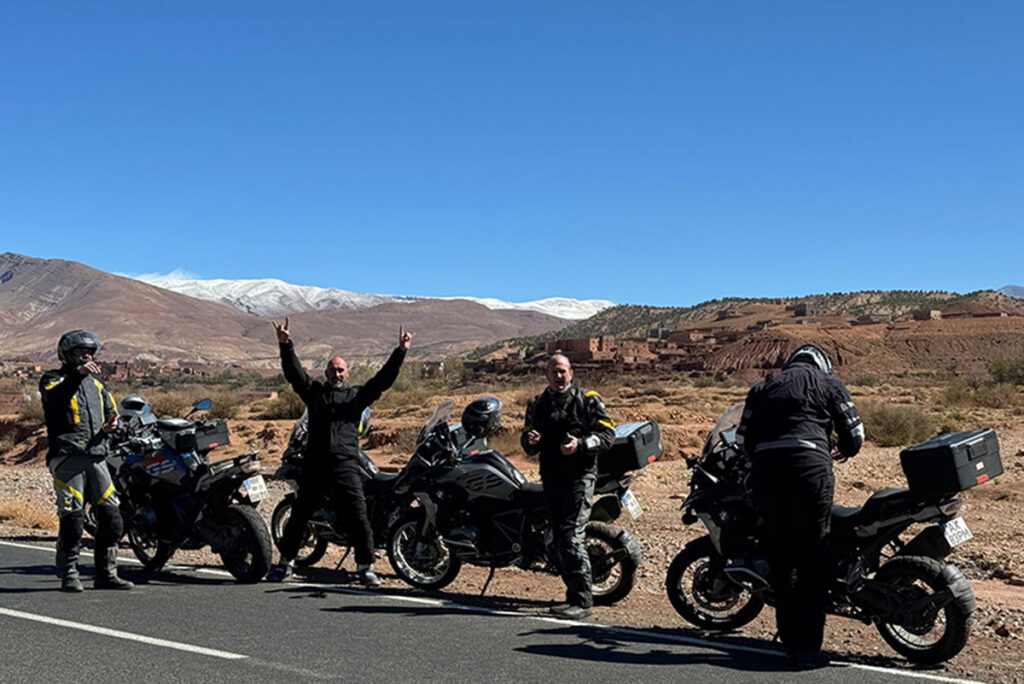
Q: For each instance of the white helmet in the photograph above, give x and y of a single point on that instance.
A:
(812, 355)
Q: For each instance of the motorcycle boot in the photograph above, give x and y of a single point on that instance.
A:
(106, 572)
(367, 577)
(570, 611)
(281, 571)
(69, 543)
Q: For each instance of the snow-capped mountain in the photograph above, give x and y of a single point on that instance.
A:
(1012, 291)
(271, 297)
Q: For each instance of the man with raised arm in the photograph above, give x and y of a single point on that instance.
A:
(331, 462)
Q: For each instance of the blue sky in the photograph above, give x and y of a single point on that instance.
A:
(658, 152)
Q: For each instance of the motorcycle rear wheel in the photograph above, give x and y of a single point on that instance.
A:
(690, 585)
(422, 563)
(613, 564)
(937, 637)
(313, 546)
(247, 551)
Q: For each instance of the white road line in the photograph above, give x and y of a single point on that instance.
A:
(691, 641)
(117, 634)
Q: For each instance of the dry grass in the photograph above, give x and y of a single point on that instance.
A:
(25, 514)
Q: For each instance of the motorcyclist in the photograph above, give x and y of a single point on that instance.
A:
(332, 452)
(568, 426)
(785, 429)
(79, 412)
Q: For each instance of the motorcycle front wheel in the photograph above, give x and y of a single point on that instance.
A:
(152, 552)
(422, 563)
(244, 545)
(937, 634)
(313, 546)
(613, 562)
(706, 598)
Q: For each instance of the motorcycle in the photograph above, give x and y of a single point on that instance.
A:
(382, 502)
(172, 497)
(919, 604)
(476, 507)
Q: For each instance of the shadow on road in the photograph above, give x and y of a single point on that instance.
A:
(599, 644)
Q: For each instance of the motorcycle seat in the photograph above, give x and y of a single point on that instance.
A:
(380, 482)
(845, 518)
(173, 424)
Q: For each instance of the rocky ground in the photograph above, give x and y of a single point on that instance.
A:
(993, 560)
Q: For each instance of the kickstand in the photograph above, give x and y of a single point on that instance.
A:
(490, 576)
(338, 566)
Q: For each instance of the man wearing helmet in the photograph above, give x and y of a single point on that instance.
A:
(786, 429)
(568, 426)
(332, 452)
(79, 412)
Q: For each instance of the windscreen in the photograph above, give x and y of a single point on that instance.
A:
(727, 424)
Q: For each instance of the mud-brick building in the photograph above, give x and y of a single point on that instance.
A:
(927, 315)
(583, 349)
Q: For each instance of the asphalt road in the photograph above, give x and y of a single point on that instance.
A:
(188, 625)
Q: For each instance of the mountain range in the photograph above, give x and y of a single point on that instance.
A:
(1012, 291)
(42, 298)
(271, 297)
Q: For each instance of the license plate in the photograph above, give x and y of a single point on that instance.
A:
(256, 488)
(629, 500)
(956, 531)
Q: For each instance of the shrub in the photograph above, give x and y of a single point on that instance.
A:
(226, 405)
(173, 404)
(1001, 395)
(868, 380)
(997, 396)
(896, 425)
(287, 406)
(1006, 370)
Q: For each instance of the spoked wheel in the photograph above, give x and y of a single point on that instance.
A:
(313, 546)
(704, 597)
(936, 633)
(613, 562)
(243, 543)
(423, 563)
(151, 551)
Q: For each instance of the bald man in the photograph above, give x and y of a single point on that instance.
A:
(331, 463)
(568, 426)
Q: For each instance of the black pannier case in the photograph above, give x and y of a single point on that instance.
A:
(952, 462)
(635, 445)
(211, 435)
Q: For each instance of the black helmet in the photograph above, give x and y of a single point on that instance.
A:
(74, 340)
(133, 405)
(482, 418)
(812, 355)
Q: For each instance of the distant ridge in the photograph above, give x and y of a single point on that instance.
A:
(1014, 291)
(42, 298)
(272, 297)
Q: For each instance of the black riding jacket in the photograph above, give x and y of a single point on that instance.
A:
(334, 412)
(556, 416)
(797, 410)
(75, 407)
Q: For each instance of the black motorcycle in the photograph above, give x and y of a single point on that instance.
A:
(382, 502)
(920, 605)
(172, 496)
(476, 507)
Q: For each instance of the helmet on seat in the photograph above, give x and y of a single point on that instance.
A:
(76, 339)
(482, 417)
(812, 355)
(133, 405)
